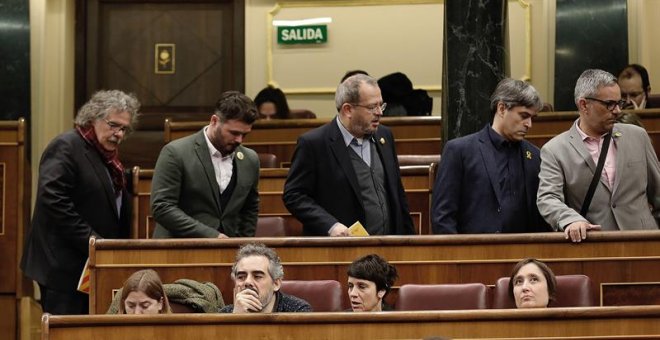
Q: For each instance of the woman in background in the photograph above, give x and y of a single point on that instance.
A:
(532, 284)
(143, 293)
(271, 104)
(370, 278)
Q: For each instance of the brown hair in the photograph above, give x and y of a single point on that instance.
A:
(148, 282)
(547, 272)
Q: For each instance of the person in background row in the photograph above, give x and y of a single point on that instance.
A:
(487, 181)
(347, 170)
(205, 184)
(635, 86)
(370, 278)
(532, 284)
(271, 104)
(351, 73)
(81, 193)
(626, 194)
(257, 275)
(143, 293)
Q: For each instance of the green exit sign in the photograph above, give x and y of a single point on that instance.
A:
(311, 34)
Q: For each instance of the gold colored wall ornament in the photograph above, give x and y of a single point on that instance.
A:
(164, 59)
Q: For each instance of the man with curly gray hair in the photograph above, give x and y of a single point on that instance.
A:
(81, 193)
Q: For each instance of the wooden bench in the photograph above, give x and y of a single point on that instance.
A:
(606, 257)
(413, 135)
(561, 323)
(417, 181)
(15, 185)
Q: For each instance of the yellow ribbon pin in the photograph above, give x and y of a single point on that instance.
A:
(528, 154)
(382, 140)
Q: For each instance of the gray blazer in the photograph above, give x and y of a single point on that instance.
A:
(566, 172)
(185, 197)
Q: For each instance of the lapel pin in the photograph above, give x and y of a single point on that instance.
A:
(617, 134)
(528, 154)
(239, 155)
(382, 140)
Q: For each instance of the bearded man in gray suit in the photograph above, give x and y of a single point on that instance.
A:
(205, 185)
(627, 195)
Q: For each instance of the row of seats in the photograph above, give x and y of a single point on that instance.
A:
(269, 160)
(328, 295)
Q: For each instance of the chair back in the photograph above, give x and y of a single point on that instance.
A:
(301, 114)
(268, 160)
(442, 297)
(322, 295)
(572, 291)
(270, 226)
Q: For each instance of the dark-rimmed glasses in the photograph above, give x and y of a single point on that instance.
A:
(609, 104)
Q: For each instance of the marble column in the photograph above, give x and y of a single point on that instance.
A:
(474, 62)
(589, 34)
(14, 59)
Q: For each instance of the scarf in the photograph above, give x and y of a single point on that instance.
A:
(110, 158)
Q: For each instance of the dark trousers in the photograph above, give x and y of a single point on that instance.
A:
(63, 303)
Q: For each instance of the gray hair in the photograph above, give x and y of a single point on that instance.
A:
(513, 93)
(349, 90)
(590, 81)
(105, 102)
(275, 268)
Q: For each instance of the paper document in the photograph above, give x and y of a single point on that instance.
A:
(357, 230)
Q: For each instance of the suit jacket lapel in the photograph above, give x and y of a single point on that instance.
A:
(340, 152)
(487, 151)
(102, 173)
(202, 153)
(386, 157)
(241, 168)
(530, 176)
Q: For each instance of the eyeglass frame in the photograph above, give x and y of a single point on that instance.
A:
(115, 127)
(621, 103)
(372, 108)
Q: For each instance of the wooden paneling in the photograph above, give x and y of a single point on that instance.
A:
(8, 316)
(14, 216)
(630, 293)
(417, 181)
(560, 323)
(626, 256)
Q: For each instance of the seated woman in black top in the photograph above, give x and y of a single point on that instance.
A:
(370, 278)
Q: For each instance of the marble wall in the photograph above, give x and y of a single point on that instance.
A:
(14, 59)
(473, 65)
(589, 34)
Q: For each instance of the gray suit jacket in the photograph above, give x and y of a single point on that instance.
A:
(185, 197)
(566, 172)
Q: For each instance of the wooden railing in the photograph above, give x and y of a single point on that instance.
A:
(606, 257)
(561, 323)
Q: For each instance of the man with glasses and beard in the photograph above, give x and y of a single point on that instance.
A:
(627, 191)
(347, 170)
(205, 185)
(81, 193)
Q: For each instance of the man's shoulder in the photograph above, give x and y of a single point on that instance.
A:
(290, 303)
(186, 141)
(247, 152)
(467, 141)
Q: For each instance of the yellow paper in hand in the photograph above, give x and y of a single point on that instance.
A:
(357, 230)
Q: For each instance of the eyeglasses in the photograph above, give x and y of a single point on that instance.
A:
(115, 127)
(609, 104)
(373, 108)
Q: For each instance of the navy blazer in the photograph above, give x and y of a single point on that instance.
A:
(322, 187)
(465, 199)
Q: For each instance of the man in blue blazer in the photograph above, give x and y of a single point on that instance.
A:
(487, 181)
(347, 170)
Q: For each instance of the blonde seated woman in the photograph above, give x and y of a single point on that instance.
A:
(143, 293)
(532, 284)
(370, 278)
